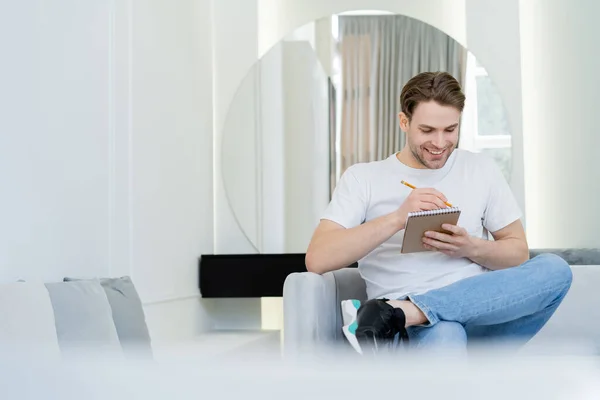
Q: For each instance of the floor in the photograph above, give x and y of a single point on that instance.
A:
(222, 343)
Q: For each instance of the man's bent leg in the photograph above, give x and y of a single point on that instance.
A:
(519, 330)
(516, 332)
(517, 300)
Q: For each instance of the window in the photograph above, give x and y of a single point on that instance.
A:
(485, 126)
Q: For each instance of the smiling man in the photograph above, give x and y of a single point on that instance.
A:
(467, 287)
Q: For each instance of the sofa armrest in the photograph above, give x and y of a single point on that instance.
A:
(309, 313)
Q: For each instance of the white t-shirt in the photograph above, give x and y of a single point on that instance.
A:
(470, 181)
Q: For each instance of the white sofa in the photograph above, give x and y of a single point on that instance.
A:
(313, 321)
(48, 320)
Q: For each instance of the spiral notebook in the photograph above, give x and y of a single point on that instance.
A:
(420, 222)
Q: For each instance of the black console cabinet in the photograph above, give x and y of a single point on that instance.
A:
(247, 275)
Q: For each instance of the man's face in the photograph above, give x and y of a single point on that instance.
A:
(432, 134)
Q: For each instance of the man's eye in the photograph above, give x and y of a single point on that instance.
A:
(450, 130)
(426, 130)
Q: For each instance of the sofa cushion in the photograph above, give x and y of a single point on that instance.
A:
(572, 256)
(576, 322)
(128, 315)
(83, 317)
(27, 320)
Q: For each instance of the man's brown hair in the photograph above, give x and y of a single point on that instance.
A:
(440, 87)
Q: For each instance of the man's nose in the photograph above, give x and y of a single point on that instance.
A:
(438, 140)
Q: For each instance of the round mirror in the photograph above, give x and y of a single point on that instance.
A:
(325, 98)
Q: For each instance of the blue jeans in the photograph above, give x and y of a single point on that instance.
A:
(509, 305)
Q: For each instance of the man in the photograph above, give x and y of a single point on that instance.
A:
(466, 287)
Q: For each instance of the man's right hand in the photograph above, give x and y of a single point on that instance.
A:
(422, 199)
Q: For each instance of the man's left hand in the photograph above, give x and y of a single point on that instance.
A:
(458, 243)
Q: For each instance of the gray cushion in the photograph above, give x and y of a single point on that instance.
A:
(127, 314)
(83, 317)
(572, 256)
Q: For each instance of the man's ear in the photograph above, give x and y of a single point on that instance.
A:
(403, 120)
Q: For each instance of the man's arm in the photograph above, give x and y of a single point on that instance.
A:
(502, 218)
(508, 249)
(333, 246)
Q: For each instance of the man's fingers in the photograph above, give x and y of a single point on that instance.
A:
(436, 244)
(442, 237)
(426, 205)
(455, 229)
(438, 202)
(435, 193)
(449, 253)
(429, 198)
(428, 247)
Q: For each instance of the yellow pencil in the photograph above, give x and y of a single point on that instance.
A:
(414, 187)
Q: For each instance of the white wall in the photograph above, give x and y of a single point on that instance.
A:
(235, 33)
(171, 108)
(303, 33)
(106, 147)
(55, 140)
(277, 18)
(560, 67)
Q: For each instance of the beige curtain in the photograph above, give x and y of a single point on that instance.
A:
(378, 55)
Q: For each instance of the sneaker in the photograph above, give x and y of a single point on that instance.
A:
(378, 324)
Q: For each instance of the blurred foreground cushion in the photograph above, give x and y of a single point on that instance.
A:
(127, 314)
(83, 317)
(27, 320)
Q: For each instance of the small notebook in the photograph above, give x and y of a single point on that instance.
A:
(420, 222)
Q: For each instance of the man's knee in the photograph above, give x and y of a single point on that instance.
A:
(554, 268)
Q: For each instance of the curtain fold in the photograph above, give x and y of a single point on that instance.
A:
(378, 55)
